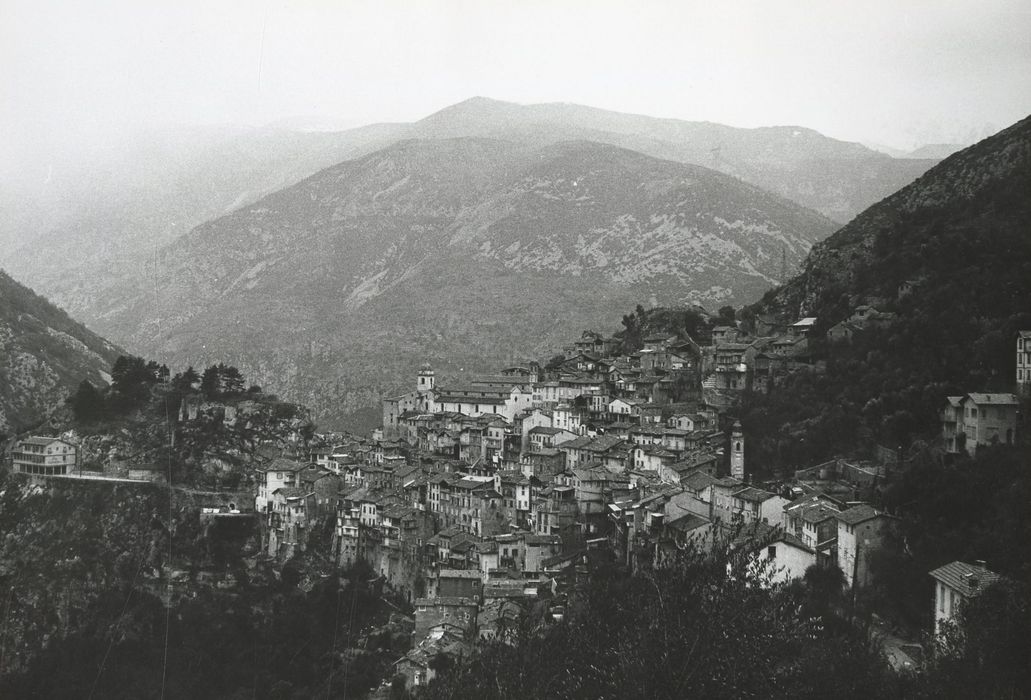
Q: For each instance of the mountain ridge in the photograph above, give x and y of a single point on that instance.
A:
(463, 251)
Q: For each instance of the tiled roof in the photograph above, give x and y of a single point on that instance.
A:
(857, 514)
(753, 494)
(292, 492)
(459, 573)
(697, 480)
(995, 399)
(279, 464)
(42, 441)
(968, 579)
(687, 522)
(818, 513)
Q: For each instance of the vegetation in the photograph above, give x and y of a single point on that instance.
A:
(966, 509)
(685, 630)
(140, 410)
(679, 321)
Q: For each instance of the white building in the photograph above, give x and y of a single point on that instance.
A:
(860, 532)
(956, 583)
(44, 456)
(1024, 363)
(978, 420)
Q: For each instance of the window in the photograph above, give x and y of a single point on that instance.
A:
(941, 597)
(952, 602)
(771, 552)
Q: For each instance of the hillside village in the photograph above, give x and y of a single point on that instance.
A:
(475, 502)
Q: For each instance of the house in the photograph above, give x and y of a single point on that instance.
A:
(861, 530)
(289, 520)
(569, 418)
(278, 474)
(722, 499)
(802, 327)
(625, 410)
(460, 612)
(600, 449)
(724, 334)
(541, 438)
(956, 583)
(533, 418)
(1024, 363)
(445, 640)
(457, 583)
(783, 557)
(44, 456)
(813, 521)
(842, 332)
(976, 420)
(752, 505)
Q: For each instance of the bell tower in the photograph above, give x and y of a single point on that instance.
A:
(426, 378)
(737, 452)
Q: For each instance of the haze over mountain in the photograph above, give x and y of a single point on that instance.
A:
(465, 252)
(44, 355)
(69, 226)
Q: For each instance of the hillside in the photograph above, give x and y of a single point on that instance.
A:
(836, 178)
(86, 217)
(44, 355)
(75, 225)
(957, 241)
(463, 252)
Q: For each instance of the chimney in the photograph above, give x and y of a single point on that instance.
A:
(981, 564)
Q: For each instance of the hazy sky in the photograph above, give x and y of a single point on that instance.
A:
(895, 72)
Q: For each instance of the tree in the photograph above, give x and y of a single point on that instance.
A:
(209, 383)
(221, 380)
(87, 403)
(131, 380)
(985, 652)
(187, 381)
(727, 316)
(686, 629)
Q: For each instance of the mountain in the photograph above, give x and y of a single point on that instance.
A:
(70, 220)
(73, 225)
(465, 252)
(966, 216)
(837, 178)
(935, 151)
(950, 256)
(44, 355)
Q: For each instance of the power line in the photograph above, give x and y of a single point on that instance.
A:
(103, 661)
(168, 605)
